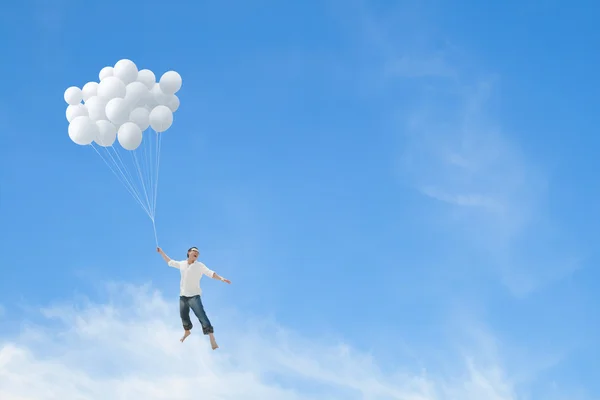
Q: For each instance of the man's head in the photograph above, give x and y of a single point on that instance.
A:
(192, 253)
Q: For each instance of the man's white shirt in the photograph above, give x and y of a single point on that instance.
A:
(191, 274)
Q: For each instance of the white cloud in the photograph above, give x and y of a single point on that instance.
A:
(461, 199)
(454, 151)
(496, 195)
(129, 348)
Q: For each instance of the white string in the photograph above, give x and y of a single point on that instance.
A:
(123, 180)
(145, 167)
(158, 149)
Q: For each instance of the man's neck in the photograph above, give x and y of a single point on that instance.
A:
(189, 261)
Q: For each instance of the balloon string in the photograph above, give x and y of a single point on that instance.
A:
(155, 235)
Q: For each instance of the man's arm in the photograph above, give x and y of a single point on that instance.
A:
(220, 278)
(164, 256)
(212, 274)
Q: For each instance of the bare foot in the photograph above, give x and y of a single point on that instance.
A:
(186, 334)
(213, 342)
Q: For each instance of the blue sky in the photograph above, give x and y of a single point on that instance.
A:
(401, 193)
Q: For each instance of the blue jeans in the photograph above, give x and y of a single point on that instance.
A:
(195, 303)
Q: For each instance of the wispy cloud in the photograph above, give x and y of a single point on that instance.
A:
(455, 152)
(467, 161)
(128, 347)
(461, 199)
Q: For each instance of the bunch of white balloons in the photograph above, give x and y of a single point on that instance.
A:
(123, 104)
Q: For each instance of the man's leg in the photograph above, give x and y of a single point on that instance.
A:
(198, 308)
(184, 313)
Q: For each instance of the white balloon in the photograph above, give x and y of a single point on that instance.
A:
(136, 93)
(107, 133)
(74, 111)
(82, 130)
(173, 103)
(130, 136)
(126, 71)
(105, 73)
(73, 95)
(150, 101)
(90, 89)
(141, 117)
(146, 100)
(147, 77)
(117, 111)
(96, 107)
(170, 82)
(159, 97)
(161, 118)
(111, 87)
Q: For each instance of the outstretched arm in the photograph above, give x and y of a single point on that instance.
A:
(220, 278)
(164, 256)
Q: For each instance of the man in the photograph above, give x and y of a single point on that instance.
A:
(191, 271)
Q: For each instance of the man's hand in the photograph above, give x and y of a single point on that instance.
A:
(226, 281)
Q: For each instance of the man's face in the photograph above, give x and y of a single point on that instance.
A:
(193, 254)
